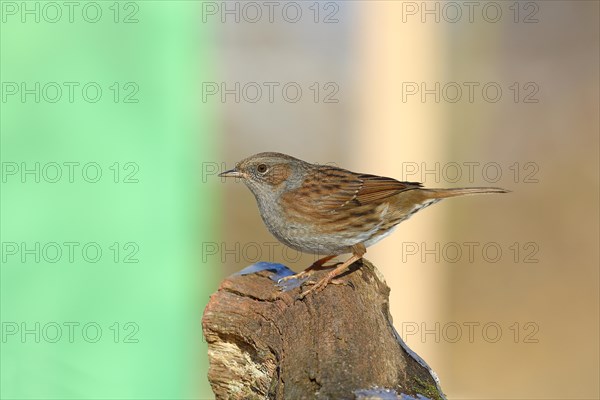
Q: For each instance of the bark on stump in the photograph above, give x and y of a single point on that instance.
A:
(337, 344)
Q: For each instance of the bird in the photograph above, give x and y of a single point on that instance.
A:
(330, 211)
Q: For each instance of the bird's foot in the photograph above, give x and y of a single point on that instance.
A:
(300, 275)
(307, 272)
(320, 285)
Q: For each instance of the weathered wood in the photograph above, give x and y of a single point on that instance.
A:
(336, 344)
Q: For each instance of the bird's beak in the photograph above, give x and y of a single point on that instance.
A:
(232, 173)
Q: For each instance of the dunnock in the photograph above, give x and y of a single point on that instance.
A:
(325, 210)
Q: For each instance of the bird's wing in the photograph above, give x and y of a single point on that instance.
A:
(376, 188)
(330, 189)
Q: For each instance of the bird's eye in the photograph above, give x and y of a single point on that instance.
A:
(262, 168)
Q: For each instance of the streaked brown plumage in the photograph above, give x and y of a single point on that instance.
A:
(321, 209)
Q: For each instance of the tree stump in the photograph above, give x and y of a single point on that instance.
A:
(266, 343)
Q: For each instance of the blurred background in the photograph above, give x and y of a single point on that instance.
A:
(116, 118)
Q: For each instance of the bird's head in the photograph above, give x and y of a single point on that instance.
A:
(268, 174)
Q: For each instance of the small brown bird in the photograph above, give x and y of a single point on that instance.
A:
(326, 210)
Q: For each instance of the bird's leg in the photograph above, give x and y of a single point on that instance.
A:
(310, 270)
(357, 252)
(325, 281)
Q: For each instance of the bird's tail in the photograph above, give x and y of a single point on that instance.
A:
(445, 193)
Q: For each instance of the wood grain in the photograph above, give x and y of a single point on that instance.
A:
(337, 344)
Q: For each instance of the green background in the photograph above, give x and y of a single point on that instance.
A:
(157, 207)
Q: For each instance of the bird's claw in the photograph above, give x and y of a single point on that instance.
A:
(306, 273)
(320, 285)
(299, 275)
